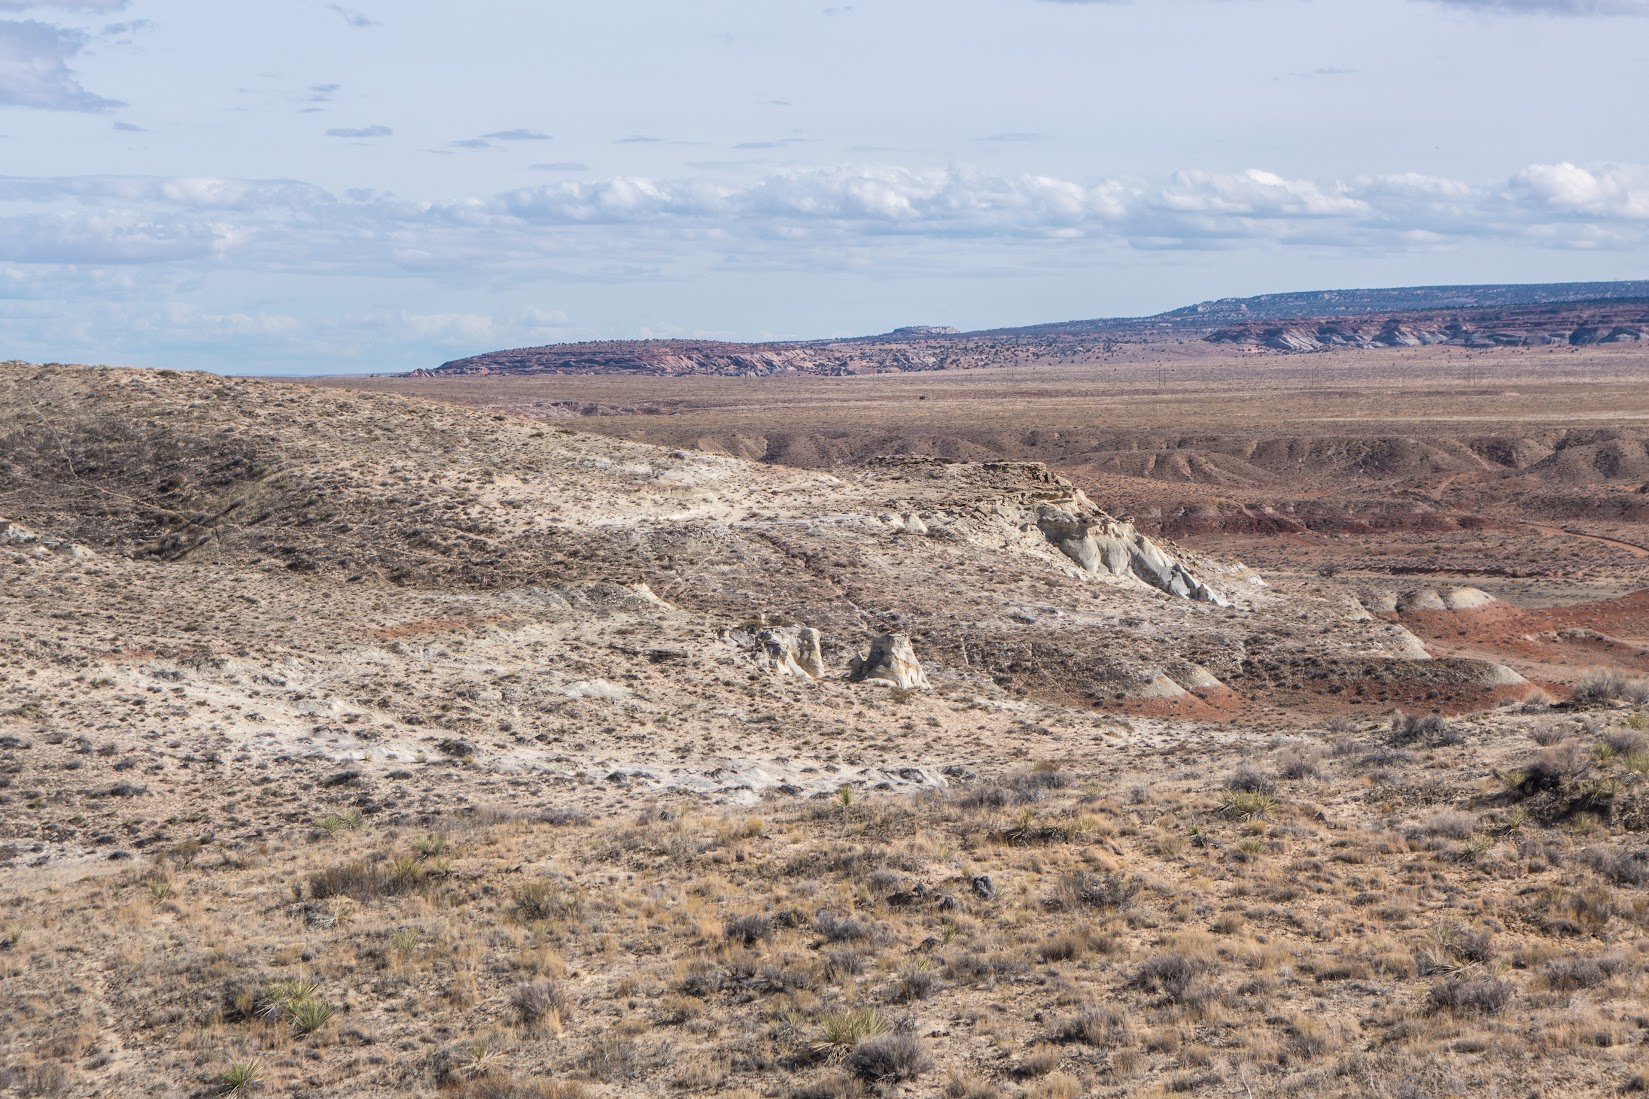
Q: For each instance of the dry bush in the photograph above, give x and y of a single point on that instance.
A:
(1172, 975)
(1247, 779)
(1429, 729)
(509, 1087)
(889, 1058)
(747, 929)
(1609, 685)
(542, 1000)
(1080, 889)
(365, 879)
(838, 929)
(1467, 994)
(546, 899)
(1581, 971)
(1100, 1027)
(1623, 867)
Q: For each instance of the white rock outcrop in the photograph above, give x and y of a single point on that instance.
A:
(1449, 599)
(891, 660)
(1099, 544)
(791, 650)
(1495, 675)
(1467, 599)
(1195, 678)
(23, 540)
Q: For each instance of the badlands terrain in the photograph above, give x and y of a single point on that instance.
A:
(1177, 717)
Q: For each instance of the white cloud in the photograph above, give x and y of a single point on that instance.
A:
(360, 131)
(1553, 7)
(1609, 193)
(115, 237)
(543, 320)
(193, 323)
(620, 227)
(1510, 7)
(34, 68)
(1257, 193)
(449, 328)
(354, 18)
(66, 5)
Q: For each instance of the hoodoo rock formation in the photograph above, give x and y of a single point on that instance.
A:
(891, 660)
(791, 650)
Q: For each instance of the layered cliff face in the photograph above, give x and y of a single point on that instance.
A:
(1574, 325)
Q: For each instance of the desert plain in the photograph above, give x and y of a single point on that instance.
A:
(1161, 718)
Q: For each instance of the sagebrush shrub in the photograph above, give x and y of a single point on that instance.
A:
(889, 1057)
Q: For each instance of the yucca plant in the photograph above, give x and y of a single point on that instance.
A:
(845, 1029)
(333, 823)
(404, 874)
(278, 999)
(308, 1016)
(1247, 804)
(240, 1076)
(298, 1002)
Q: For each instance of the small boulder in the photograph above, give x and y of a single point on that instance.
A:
(892, 660)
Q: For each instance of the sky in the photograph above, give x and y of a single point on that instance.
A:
(305, 187)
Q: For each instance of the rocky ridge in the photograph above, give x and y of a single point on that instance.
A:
(1581, 324)
(903, 350)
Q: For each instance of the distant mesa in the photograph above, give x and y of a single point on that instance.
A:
(923, 331)
(679, 357)
(1544, 314)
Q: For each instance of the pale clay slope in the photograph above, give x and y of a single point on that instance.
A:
(590, 623)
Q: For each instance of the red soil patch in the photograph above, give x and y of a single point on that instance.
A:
(1544, 643)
